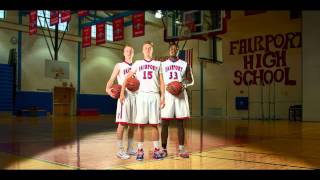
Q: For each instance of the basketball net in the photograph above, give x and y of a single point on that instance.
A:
(188, 27)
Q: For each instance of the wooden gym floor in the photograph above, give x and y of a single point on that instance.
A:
(90, 143)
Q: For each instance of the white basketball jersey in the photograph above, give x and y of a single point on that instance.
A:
(173, 70)
(147, 72)
(124, 70)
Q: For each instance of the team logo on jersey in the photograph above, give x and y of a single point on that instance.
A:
(126, 71)
(173, 67)
(147, 66)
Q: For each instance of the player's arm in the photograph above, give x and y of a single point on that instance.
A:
(188, 79)
(122, 97)
(114, 74)
(162, 89)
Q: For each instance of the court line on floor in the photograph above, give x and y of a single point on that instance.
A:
(296, 155)
(41, 160)
(252, 161)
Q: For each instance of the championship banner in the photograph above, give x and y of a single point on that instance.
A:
(54, 17)
(65, 15)
(83, 13)
(33, 22)
(138, 24)
(86, 37)
(118, 29)
(100, 33)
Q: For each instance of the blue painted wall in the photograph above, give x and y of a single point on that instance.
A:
(6, 88)
(44, 100)
(28, 99)
(105, 104)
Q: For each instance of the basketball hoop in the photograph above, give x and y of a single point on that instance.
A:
(186, 31)
(188, 27)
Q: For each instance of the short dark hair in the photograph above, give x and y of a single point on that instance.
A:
(173, 44)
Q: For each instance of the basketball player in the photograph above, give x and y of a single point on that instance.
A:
(126, 112)
(177, 108)
(149, 101)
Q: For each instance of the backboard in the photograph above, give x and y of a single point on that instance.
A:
(193, 24)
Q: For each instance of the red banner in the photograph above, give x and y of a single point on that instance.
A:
(83, 13)
(100, 33)
(33, 22)
(118, 29)
(86, 36)
(54, 17)
(65, 15)
(138, 24)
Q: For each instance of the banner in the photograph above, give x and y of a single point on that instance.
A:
(83, 13)
(54, 18)
(33, 22)
(118, 29)
(86, 36)
(138, 24)
(65, 15)
(100, 33)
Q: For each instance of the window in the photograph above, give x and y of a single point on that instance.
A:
(109, 32)
(93, 31)
(42, 23)
(2, 14)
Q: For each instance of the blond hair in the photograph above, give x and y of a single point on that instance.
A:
(148, 42)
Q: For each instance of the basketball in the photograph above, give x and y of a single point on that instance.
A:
(133, 84)
(116, 88)
(174, 88)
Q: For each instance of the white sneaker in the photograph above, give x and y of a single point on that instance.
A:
(131, 152)
(122, 155)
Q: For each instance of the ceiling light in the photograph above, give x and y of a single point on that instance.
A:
(158, 14)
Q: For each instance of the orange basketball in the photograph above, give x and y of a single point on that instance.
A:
(116, 88)
(174, 88)
(133, 84)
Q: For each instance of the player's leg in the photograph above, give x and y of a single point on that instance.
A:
(120, 129)
(121, 153)
(130, 149)
(182, 114)
(164, 137)
(154, 121)
(141, 120)
(140, 140)
(181, 138)
(131, 115)
(167, 115)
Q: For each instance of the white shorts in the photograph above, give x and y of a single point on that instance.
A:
(126, 112)
(175, 107)
(148, 109)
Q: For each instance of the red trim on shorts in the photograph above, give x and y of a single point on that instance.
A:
(167, 119)
(145, 124)
(153, 124)
(125, 123)
(183, 118)
(180, 118)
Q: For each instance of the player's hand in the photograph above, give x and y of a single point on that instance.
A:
(122, 97)
(109, 91)
(162, 103)
(184, 86)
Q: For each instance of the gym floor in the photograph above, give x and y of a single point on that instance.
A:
(90, 143)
